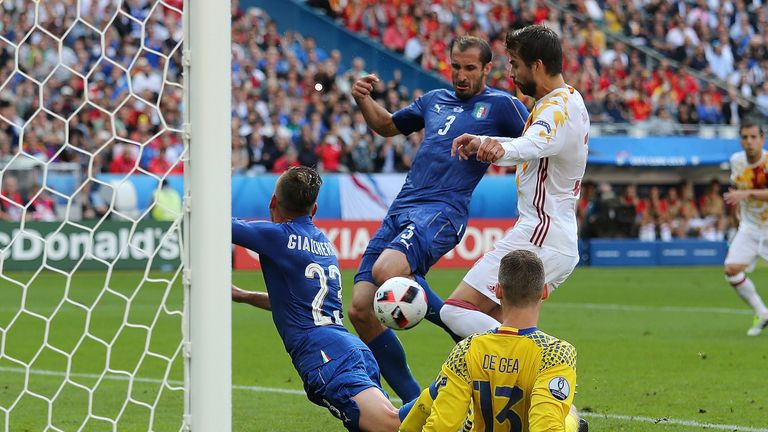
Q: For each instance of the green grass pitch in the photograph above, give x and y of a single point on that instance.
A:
(660, 349)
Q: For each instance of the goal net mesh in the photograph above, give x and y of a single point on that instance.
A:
(91, 161)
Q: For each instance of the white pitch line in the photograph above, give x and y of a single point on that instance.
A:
(593, 306)
(641, 308)
(260, 389)
(120, 377)
(668, 421)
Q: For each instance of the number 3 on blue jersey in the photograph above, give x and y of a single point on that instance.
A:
(448, 122)
(310, 272)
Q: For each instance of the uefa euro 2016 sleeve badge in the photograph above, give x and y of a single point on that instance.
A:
(559, 388)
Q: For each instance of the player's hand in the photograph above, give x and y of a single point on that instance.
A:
(364, 86)
(734, 196)
(490, 150)
(465, 146)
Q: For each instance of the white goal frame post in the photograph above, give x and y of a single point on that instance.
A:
(208, 207)
(205, 328)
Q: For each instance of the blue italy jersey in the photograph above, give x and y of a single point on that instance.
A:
(435, 177)
(304, 284)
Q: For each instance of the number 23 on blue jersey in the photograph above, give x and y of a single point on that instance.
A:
(316, 270)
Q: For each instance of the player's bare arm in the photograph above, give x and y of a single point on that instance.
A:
(253, 298)
(734, 196)
(377, 117)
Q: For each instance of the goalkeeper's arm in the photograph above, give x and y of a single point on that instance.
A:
(253, 298)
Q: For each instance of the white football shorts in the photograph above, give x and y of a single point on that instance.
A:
(484, 275)
(746, 246)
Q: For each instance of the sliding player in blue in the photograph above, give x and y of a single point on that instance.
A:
(429, 216)
(304, 294)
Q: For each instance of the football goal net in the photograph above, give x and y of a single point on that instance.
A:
(115, 255)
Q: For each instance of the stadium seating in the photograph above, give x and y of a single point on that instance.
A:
(620, 84)
(290, 96)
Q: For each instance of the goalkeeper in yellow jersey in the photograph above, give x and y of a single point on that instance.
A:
(514, 379)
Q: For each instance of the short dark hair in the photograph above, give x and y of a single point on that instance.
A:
(464, 43)
(537, 42)
(749, 122)
(297, 190)
(521, 276)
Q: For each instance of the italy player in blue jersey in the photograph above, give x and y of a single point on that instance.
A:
(304, 294)
(429, 216)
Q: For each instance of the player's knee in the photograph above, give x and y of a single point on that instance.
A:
(360, 311)
(376, 412)
(382, 272)
(733, 269)
(384, 421)
(390, 263)
(449, 314)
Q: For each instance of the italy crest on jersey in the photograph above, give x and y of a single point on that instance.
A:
(481, 110)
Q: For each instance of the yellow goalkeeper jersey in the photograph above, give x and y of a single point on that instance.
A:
(513, 381)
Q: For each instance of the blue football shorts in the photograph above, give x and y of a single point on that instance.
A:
(333, 385)
(423, 235)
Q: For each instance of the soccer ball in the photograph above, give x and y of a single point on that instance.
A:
(400, 303)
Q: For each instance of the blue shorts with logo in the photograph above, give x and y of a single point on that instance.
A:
(333, 385)
(423, 235)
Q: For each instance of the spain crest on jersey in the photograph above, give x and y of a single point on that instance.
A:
(481, 110)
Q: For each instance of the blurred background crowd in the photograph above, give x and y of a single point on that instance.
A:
(116, 107)
(723, 41)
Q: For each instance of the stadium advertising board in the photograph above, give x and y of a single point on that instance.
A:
(607, 253)
(351, 238)
(63, 245)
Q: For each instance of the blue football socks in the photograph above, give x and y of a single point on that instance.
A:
(435, 303)
(390, 355)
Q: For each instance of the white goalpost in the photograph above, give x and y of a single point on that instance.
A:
(210, 252)
(115, 204)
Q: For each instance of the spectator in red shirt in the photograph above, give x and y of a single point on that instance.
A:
(159, 164)
(11, 202)
(329, 152)
(639, 105)
(42, 205)
(123, 160)
(395, 36)
(287, 160)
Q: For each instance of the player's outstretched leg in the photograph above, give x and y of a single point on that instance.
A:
(383, 342)
(435, 306)
(467, 311)
(745, 288)
(376, 411)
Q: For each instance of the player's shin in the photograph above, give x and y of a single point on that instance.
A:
(390, 356)
(435, 304)
(746, 290)
(465, 319)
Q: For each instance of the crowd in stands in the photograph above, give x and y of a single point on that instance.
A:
(64, 101)
(291, 102)
(119, 112)
(74, 104)
(656, 213)
(292, 105)
(725, 40)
